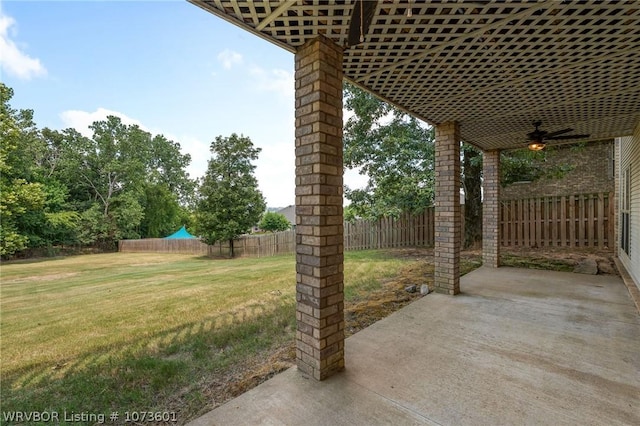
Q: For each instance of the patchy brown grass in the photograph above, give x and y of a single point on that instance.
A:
(376, 288)
(362, 310)
(558, 258)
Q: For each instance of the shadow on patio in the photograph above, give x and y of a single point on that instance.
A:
(516, 347)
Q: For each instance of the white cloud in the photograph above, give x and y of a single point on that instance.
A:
(386, 119)
(195, 147)
(81, 120)
(229, 58)
(275, 80)
(347, 114)
(354, 180)
(12, 60)
(275, 171)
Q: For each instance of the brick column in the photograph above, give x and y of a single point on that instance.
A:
(319, 221)
(617, 198)
(448, 235)
(491, 208)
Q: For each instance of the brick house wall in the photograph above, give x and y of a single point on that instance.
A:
(593, 172)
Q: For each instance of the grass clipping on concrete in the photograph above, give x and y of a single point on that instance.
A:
(150, 332)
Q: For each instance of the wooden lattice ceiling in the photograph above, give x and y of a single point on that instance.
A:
(493, 66)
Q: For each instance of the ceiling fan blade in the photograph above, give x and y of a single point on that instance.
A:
(558, 132)
(361, 18)
(558, 138)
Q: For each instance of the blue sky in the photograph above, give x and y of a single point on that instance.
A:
(168, 66)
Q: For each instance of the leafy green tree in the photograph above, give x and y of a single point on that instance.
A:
(61, 188)
(19, 193)
(350, 214)
(162, 212)
(471, 184)
(122, 172)
(230, 202)
(274, 222)
(525, 165)
(106, 174)
(104, 231)
(167, 165)
(397, 157)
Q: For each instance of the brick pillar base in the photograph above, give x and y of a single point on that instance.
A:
(448, 226)
(491, 209)
(319, 219)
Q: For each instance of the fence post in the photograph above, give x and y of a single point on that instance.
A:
(611, 218)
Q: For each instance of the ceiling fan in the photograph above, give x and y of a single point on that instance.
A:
(538, 137)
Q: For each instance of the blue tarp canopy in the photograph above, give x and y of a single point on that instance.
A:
(182, 233)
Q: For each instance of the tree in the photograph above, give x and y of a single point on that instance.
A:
(397, 157)
(161, 212)
(274, 222)
(19, 193)
(107, 173)
(126, 182)
(166, 166)
(230, 202)
(471, 183)
(61, 188)
(525, 165)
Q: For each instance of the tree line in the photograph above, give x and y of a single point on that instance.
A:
(64, 189)
(60, 188)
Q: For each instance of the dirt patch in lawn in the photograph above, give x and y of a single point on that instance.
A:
(558, 258)
(390, 297)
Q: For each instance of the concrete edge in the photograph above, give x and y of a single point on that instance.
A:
(634, 292)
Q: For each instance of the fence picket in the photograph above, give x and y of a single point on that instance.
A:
(562, 241)
(572, 221)
(581, 228)
(600, 220)
(590, 221)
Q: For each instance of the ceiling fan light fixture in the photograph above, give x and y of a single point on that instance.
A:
(536, 145)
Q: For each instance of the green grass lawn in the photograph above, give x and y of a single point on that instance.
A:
(133, 332)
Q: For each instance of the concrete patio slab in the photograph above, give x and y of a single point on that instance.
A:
(515, 347)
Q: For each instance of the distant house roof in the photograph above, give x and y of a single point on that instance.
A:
(290, 213)
(182, 233)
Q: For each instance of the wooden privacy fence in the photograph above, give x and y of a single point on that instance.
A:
(247, 245)
(405, 231)
(569, 221)
(161, 245)
(263, 245)
(585, 220)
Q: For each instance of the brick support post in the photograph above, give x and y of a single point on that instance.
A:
(319, 220)
(491, 209)
(448, 235)
(616, 198)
